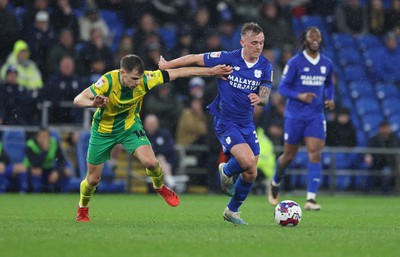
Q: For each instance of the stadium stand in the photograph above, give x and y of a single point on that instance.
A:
(14, 143)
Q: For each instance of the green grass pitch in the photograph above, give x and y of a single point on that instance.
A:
(144, 225)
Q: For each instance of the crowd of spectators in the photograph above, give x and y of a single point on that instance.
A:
(52, 49)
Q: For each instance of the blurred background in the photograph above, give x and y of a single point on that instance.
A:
(50, 50)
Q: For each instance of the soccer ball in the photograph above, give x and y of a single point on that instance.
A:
(287, 213)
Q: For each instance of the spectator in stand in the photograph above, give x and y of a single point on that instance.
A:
(213, 41)
(276, 28)
(65, 46)
(30, 14)
(67, 84)
(46, 163)
(93, 20)
(196, 89)
(29, 75)
(271, 55)
(63, 17)
(134, 9)
(146, 34)
(192, 124)
(163, 147)
(97, 50)
(18, 102)
(393, 17)
(125, 47)
(340, 131)
(351, 18)
(153, 52)
(165, 106)
(386, 163)
(325, 9)
(273, 119)
(229, 35)
(376, 17)
(41, 37)
(390, 55)
(185, 44)
(9, 30)
(9, 170)
(201, 25)
(247, 10)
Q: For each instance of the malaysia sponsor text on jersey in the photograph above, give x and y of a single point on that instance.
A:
(242, 83)
(309, 80)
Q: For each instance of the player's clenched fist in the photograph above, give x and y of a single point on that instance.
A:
(100, 101)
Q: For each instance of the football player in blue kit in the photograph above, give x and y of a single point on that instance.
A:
(238, 93)
(306, 78)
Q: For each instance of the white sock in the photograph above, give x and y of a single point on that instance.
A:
(311, 196)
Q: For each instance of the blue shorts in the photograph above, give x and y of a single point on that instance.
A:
(230, 133)
(295, 129)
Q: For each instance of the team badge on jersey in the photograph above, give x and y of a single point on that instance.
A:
(100, 82)
(215, 54)
(257, 74)
(323, 69)
(150, 76)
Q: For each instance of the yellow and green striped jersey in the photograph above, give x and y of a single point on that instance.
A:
(125, 103)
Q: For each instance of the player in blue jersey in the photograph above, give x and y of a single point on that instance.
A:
(238, 93)
(307, 84)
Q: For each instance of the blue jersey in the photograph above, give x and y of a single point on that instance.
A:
(232, 102)
(303, 74)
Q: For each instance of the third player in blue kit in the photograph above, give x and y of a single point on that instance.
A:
(307, 85)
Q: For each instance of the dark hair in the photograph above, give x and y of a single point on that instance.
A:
(131, 62)
(251, 27)
(302, 40)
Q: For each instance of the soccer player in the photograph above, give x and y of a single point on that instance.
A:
(118, 95)
(306, 78)
(247, 86)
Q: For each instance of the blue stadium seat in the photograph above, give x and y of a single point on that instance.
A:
(56, 134)
(107, 184)
(168, 36)
(343, 40)
(354, 73)
(371, 123)
(394, 121)
(368, 41)
(387, 90)
(360, 89)
(14, 143)
(115, 25)
(390, 106)
(367, 105)
(349, 56)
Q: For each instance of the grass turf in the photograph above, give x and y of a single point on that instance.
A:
(143, 225)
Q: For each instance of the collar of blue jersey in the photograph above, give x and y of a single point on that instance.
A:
(310, 59)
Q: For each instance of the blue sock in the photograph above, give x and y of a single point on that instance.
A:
(23, 182)
(314, 171)
(36, 184)
(3, 183)
(242, 189)
(279, 173)
(232, 167)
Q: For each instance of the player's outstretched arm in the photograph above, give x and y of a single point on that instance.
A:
(187, 60)
(219, 70)
(87, 99)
